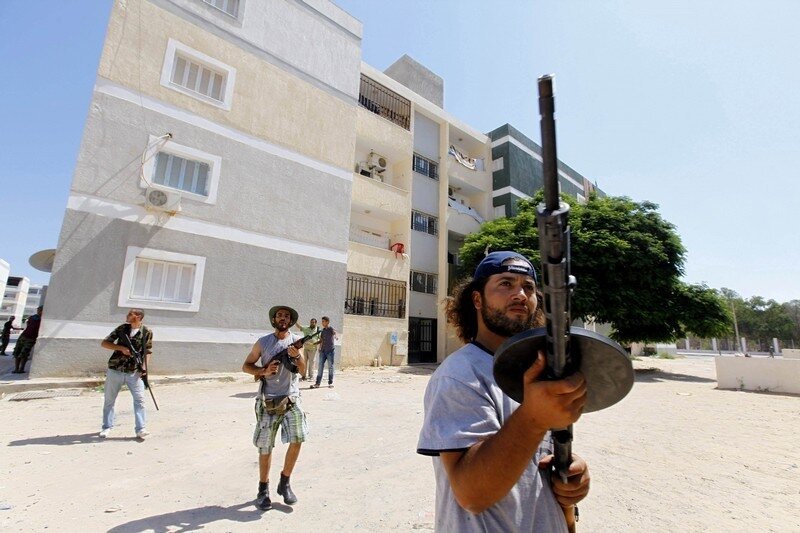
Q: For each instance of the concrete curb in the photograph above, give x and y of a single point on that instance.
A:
(22, 385)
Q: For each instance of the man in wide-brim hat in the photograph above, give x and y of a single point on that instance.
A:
(278, 404)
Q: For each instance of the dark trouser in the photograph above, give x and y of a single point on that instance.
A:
(22, 351)
(325, 355)
(4, 340)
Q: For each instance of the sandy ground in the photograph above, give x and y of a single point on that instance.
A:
(675, 455)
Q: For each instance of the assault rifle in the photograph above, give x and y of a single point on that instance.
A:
(605, 365)
(283, 355)
(141, 364)
(554, 235)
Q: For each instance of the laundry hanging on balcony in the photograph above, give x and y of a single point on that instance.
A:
(468, 162)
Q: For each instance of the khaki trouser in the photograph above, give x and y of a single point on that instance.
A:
(311, 354)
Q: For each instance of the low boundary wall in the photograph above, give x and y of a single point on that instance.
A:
(758, 374)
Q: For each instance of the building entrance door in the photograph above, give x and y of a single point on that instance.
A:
(421, 340)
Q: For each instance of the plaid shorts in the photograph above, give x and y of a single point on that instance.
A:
(293, 425)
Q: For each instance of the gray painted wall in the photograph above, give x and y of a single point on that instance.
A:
(241, 282)
(424, 252)
(425, 194)
(257, 191)
(418, 78)
(281, 30)
(426, 137)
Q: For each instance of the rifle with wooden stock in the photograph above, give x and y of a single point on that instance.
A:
(141, 365)
(283, 355)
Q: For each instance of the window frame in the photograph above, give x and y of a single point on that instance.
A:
(175, 48)
(238, 8)
(155, 146)
(430, 279)
(430, 217)
(128, 272)
(431, 164)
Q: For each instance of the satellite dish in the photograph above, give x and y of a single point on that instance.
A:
(43, 260)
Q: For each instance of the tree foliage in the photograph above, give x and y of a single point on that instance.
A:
(628, 262)
(759, 318)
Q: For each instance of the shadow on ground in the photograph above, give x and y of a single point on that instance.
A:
(655, 375)
(67, 440)
(197, 518)
(424, 369)
(245, 395)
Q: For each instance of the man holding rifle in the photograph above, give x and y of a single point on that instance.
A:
(278, 403)
(132, 343)
(491, 455)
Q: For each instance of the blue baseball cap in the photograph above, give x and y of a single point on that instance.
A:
(493, 264)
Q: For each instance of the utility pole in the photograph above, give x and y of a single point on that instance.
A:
(736, 327)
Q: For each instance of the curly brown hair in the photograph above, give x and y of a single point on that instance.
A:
(461, 312)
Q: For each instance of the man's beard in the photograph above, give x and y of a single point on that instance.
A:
(498, 323)
(281, 326)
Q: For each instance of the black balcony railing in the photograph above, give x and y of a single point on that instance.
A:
(384, 102)
(375, 297)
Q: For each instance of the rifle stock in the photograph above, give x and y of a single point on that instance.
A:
(141, 364)
(283, 355)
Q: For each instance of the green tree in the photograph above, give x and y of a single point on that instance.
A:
(792, 309)
(628, 261)
(764, 319)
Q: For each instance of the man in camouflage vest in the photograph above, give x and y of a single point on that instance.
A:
(132, 343)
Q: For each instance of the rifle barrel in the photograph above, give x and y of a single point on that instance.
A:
(548, 127)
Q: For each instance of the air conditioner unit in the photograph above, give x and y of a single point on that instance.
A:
(161, 200)
(363, 168)
(377, 163)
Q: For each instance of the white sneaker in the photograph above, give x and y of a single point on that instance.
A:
(142, 434)
(105, 433)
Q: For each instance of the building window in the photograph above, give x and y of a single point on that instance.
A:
(367, 295)
(423, 282)
(173, 166)
(198, 78)
(426, 167)
(231, 7)
(156, 279)
(179, 173)
(194, 73)
(424, 223)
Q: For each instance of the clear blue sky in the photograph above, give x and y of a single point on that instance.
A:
(691, 104)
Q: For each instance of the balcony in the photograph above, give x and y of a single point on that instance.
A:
(467, 170)
(372, 260)
(462, 219)
(384, 102)
(383, 200)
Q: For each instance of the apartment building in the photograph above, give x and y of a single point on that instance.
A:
(214, 180)
(14, 297)
(36, 297)
(229, 163)
(5, 270)
(440, 164)
(517, 172)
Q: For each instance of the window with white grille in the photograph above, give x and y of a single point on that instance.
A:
(231, 7)
(198, 78)
(156, 279)
(179, 173)
(194, 73)
(162, 281)
(184, 168)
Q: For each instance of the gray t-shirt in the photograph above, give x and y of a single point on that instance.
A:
(285, 382)
(464, 405)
